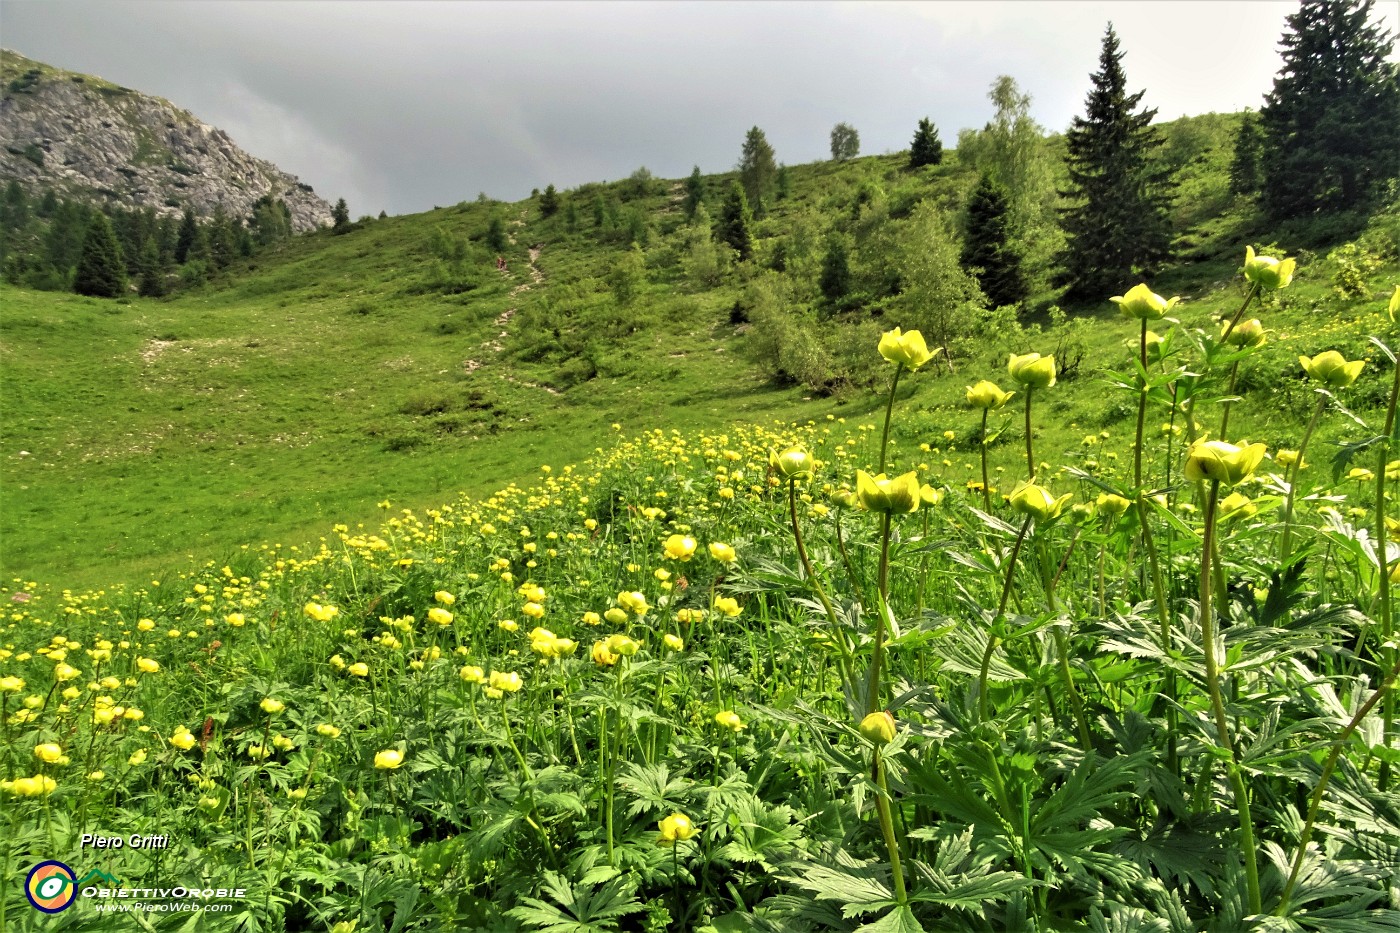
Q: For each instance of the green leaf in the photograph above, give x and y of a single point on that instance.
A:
(899, 920)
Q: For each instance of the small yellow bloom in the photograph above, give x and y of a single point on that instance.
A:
(1112, 504)
(905, 349)
(1332, 369)
(592, 618)
(235, 619)
(602, 655)
(679, 547)
(729, 720)
(622, 645)
(319, 612)
(1037, 501)
(533, 610)
(1237, 505)
(1267, 272)
(440, 616)
(505, 681)
(727, 605)
(673, 641)
(182, 739)
(1227, 463)
(48, 752)
(359, 669)
(878, 727)
(444, 597)
(1032, 370)
(328, 730)
(881, 494)
(1289, 457)
(675, 828)
(138, 757)
(1393, 309)
(11, 684)
(722, 552)
(388, 760)
(793, 463)
(68, 672)
(1142, 304)
(634, 602)
(987, 395)
(272, 707)
(615, 615)
(1246, 333)
(472, 674)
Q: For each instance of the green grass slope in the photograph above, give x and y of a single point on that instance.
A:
(394, 362)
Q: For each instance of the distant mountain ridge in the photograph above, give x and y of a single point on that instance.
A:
(85, 136)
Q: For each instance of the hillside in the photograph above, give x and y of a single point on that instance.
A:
(394, 362)
(80, 135)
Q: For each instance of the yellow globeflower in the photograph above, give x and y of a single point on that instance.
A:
(138, 757)
(444, 597)
(388, 760)
(1267, 272)
(1248, 333)
(358, 669)
(987, 395)
(1037, 501)
(272, 707)
(679, 547)
(622, 645)
(440, 616)
(793, 463)
(727, 605)
(1332, 369)
(878, 727)
(1032, 370)
(730, 720)
(472, 674)
(673, 641)
(634, 602)
(1217, 460)
(1143, 304)
(722, 552)
(1287, 458)
(929, 496)
(66, 672)
(235, 619)
(11, 684)
(328, 730)
(615, 615)
(1393, 309)
(1112, 504)
(879, 493)
(675, 828)
(505, 681)
(592, 618)
(1237, 505)
(182, 739)
(533, 610)
(602, 655)
(49, 753)
(1154, 345)
(905, 349)
(319, 612)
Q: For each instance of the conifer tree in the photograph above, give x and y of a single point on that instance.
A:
(1244, 167)
(757, 169)
(549, 202)
(989, 249)
(845, 142)
(734, 220)
(926, 149)
(1332, 121)
(100, 271)
(835, 280)
(1118, 227)
(783, 184)
(184, 242)
(151, 283)
(694, 192)
(340, 214)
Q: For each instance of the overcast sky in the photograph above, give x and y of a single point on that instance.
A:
(403, 106)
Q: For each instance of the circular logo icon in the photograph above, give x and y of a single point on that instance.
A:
(51, 887)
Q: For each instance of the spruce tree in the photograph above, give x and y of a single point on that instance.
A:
(340, 214)
(989, 249)
(835, 281)
(549, 202)
(757, 169)
(926, 149)
(184, 241)
(1245, 175)
(1332, 121)
(151, 283)
(1118, 227)
(694, 192)
(733, 224)
(100, 271)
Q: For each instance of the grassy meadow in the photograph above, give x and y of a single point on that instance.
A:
(400, 597)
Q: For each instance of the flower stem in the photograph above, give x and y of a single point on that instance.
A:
(812, 578)
(983, 706)
(1030, 456)
(882, 807)
(986, 488)
(1141, 408)
(1217, 701)
(1293, 482)
(872, 701)
(1164, 621)
(1382, 559)
(889, 409)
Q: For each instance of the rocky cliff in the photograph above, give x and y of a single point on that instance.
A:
(81, 135)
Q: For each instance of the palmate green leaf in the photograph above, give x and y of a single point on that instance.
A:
(652, 787)
(956, 879)
(860, 886)
(899, 920)
(1337, 887)
(1123, 919)
(761, 834)
(579, 908)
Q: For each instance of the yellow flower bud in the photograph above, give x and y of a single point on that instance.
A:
(881, 494)
(1142, 304)
(1332, 369)
(48, 752)
(987, 395)
(729, 720)
(444, 597)
(1112, 504)
(905, 349)
(1237, 505)
(602, 655)
(679, 547)
(1246, 333)
(878, 727)
(1227, 463)
(440, 616)
(388, 760)
(675, 828)
(505, 681)
(793, 463)
(271, 706)
(722, 553)
(1267, 272)
(1032, 370)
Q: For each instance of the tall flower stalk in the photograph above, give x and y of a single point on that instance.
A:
(989, 397)
(1032, 371)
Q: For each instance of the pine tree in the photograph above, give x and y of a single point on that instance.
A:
(549, 202)
(845, 142)
(733, 224)
(184, 242)
(340, 214)
(1332, 121)
(926, 149)
(151, 283)
(100, 271)
(1245, 175)
(784, 182)
(757, 169)
(694, 192)
(989, 249)
(1119, 227)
